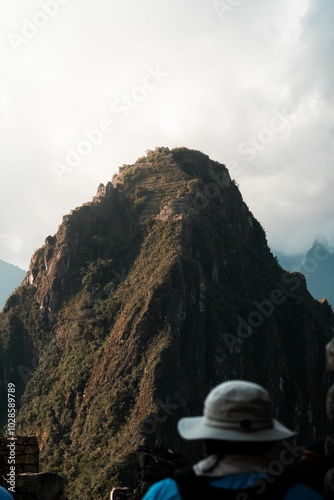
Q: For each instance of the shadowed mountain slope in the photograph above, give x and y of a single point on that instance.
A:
(159, 288)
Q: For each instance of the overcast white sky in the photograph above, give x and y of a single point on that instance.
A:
(248, 82)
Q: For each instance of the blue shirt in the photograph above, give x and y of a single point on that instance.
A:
(4, 494)
(168, 490)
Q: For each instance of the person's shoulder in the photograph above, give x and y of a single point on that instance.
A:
(302, 492)
(4, 494)
(166, 489)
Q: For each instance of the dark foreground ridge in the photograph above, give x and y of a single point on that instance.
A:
(146, 297)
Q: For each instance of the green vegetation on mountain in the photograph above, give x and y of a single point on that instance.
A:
(132, 312)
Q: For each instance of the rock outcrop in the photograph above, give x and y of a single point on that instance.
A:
(43, 486)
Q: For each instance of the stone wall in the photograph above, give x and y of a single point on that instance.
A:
(25, 453)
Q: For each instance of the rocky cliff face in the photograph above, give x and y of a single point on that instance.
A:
(158, 289)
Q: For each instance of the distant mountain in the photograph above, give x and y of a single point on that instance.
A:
(290, 262)
(10, 278)
(160, 287)
(318, 268)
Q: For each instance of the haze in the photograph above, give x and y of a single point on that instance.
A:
(87, 86)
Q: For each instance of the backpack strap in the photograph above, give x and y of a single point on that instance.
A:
(191, 486)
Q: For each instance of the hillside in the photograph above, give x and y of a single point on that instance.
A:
(145, 298)
(10, 278)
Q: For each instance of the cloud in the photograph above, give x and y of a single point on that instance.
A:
(226, 80)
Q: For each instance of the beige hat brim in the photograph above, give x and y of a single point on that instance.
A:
(198, 428)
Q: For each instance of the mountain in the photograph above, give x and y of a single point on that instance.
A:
(290, 262)
(146, 297)
(10, 278)
(318, 268)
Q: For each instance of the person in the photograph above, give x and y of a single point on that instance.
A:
(4, 494)
(239, 433)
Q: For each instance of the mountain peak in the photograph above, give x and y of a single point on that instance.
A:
(171, 183)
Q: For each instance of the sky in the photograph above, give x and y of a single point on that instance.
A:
(86, 87)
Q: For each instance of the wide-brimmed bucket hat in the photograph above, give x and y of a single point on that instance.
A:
(235, 411)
